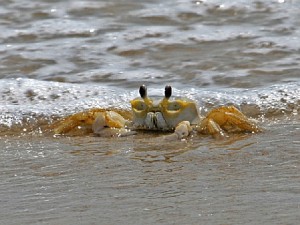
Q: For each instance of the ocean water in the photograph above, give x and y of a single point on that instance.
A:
(61, 57)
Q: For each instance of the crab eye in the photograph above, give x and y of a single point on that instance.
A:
(168, 91)
(143, 91)
(174, 106)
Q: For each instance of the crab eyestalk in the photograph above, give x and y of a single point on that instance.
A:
(168, 93)
(143, 94)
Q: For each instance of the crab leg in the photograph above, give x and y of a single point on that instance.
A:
(209, 126)
(227, 118)
(104, 123)
(69, 123)
(243, 123)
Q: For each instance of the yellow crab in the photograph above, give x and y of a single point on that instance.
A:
(180, 115)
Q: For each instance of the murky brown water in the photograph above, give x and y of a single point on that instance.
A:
(59, 57)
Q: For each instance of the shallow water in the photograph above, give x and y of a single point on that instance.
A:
(60, 57)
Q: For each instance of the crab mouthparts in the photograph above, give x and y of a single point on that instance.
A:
(155, 110)
(156, 121)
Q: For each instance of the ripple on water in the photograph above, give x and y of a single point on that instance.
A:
(200, 43)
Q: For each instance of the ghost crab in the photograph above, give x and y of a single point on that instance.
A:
(176, 114)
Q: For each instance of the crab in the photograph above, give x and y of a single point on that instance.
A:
(177, 115)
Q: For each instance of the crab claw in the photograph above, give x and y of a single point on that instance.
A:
(113, 121)
(109, 119)
(182, 130)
